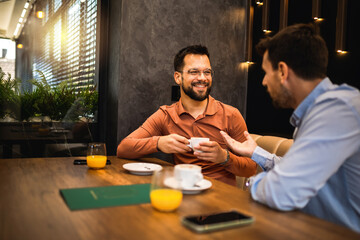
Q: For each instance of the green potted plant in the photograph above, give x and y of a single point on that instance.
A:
(9, 96)
(63, 102)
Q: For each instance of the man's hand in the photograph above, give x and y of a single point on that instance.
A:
(173, 143)
(245, 149)
(211, 151)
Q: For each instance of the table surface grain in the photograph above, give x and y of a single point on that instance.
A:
(31, 207)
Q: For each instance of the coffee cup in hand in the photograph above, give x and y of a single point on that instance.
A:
(194, 142)
(188, 175)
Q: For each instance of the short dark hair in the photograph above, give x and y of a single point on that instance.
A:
(194, 49)
(300, 47)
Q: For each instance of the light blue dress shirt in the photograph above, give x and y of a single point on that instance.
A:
(320, 174)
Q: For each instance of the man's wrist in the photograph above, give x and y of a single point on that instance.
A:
(227, 157)
(157, 144)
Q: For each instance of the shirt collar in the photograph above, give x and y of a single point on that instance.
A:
(300, 111)
(211, 107)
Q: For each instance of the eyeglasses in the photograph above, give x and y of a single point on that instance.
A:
(195, 72)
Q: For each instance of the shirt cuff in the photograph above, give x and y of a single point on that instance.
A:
(260, 156)
(227, 158)
(254, 181)
(156, 140)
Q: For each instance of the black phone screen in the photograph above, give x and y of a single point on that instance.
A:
(217, 218)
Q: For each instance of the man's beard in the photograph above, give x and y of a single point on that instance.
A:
(195, 96)
(282, 98)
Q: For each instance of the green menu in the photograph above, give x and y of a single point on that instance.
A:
(109, 196)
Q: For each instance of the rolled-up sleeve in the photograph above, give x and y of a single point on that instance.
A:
(142, 141)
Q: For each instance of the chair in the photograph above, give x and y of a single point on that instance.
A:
(272, 144)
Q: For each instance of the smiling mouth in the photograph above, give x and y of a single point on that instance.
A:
(200, 84)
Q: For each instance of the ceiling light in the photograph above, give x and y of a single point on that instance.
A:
(40, 14)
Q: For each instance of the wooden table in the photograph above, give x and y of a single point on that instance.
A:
(31, 208)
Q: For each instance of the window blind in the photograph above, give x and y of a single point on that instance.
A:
(66, 48)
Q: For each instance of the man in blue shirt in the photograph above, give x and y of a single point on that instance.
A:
(320, 174)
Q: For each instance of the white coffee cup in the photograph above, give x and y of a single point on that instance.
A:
(188, 175)
(194, 142)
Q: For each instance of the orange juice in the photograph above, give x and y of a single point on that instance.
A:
(96, 161)
(166, 199)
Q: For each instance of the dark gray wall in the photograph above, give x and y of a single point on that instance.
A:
(152, 32)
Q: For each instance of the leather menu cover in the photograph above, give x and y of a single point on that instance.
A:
(107, 196)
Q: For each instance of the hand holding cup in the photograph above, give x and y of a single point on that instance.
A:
(195, 141)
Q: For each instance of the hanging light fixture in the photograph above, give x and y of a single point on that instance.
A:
(249, 33)
(284, 7)
(265, 16)
(316, 10)
(39, 10)
(341, 26)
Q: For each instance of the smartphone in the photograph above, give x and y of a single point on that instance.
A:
(216, 221)
(83, 162)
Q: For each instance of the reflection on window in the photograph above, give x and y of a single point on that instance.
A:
(57, 41)
(47, 12)
(67, 52)
(57, 4)
(47, 46)
(55, 114)
(73, 40)
(90, 40)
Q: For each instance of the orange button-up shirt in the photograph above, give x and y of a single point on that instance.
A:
(174, 119)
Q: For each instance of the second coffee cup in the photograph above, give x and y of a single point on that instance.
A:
(188, 175)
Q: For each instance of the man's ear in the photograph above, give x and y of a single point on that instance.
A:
(177, 78)
(283, 71)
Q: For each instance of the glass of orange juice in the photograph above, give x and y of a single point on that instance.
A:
(165, 192)
(96, 155)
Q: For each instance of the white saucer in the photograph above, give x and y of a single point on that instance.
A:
(142, 168)
(200, 186)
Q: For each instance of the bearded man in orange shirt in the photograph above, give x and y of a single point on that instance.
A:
(196, 114)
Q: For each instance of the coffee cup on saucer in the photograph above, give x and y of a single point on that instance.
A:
(188, 175)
